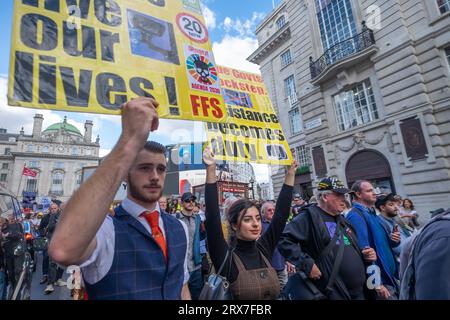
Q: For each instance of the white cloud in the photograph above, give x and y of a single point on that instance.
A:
(210, 17)
(244, 28)
(233, 52)
(103, 152)
(14, 118)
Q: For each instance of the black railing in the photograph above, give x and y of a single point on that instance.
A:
(342, 50)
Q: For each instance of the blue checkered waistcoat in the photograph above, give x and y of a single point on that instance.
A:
(138, 271)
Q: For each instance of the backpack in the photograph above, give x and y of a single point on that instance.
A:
(408, 283)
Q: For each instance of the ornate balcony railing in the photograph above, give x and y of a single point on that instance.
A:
(342, 50)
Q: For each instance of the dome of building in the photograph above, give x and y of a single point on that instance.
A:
(63, 126)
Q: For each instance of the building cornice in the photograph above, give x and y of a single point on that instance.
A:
(43, 141)
(268, 46)
(53, 156)
(9, 143)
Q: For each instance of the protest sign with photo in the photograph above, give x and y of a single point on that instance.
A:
(92, 56)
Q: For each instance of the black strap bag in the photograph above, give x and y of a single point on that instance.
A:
(301, 287)
(217, 287)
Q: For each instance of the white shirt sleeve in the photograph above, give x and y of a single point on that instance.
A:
(100, 261)
(186, 272)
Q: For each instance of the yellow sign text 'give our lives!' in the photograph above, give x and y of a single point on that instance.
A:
(253, 132)
(94, 55)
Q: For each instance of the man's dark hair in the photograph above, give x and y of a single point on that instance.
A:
(155, 147)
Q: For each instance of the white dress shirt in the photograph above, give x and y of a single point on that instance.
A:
(100, 261)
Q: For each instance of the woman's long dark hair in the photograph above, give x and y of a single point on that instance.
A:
(406, 199)
(235, 214)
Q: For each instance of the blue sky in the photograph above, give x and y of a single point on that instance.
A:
(231, 25)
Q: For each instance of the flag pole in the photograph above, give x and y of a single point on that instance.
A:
(20, 181)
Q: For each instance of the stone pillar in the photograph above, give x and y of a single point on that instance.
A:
(37, 125)
(88, 131)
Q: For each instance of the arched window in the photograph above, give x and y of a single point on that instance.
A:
(74, 151)
(57, 183)
(45, 149)
(280, 22)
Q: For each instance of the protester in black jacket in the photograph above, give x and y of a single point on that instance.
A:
(12, 237)
(54, 271)
(306, 236)
(248, 270)
(430, 262)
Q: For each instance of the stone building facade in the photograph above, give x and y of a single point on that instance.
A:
(57, 153)
(362, 89)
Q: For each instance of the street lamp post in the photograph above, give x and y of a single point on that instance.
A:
(252, 181)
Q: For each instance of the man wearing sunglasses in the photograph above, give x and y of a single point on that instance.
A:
(197, 233)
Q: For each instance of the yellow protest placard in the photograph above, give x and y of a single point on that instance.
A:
(94, 55)
(253, 132)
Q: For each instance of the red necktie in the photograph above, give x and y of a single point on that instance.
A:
(152, 219)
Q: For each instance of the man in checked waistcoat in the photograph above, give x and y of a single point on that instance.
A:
(140, 253)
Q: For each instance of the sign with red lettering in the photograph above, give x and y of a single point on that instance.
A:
(192, 27)
(253, 132)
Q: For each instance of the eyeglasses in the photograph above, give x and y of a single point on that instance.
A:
(190, 200)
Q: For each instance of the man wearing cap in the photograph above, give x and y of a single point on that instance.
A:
(197, 234)
(388, 208)
(373, 236)
(314, 239)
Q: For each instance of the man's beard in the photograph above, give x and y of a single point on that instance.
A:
(136, 194)
(391, 214)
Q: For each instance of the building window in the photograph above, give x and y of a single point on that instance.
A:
(33, 164)
(45, 149)
(336, 21)
(444, 6)
(57, 183)
(356, 106)
(295, 121)
(447, 54)
(5, 165)
(88, 152)
(74, 151)
(303, 156)
(289, 87)
(7, 151)
(281, 22)
(31, 185)
(30, 148)
(286, 58)
(3, 177)
(78, 180)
